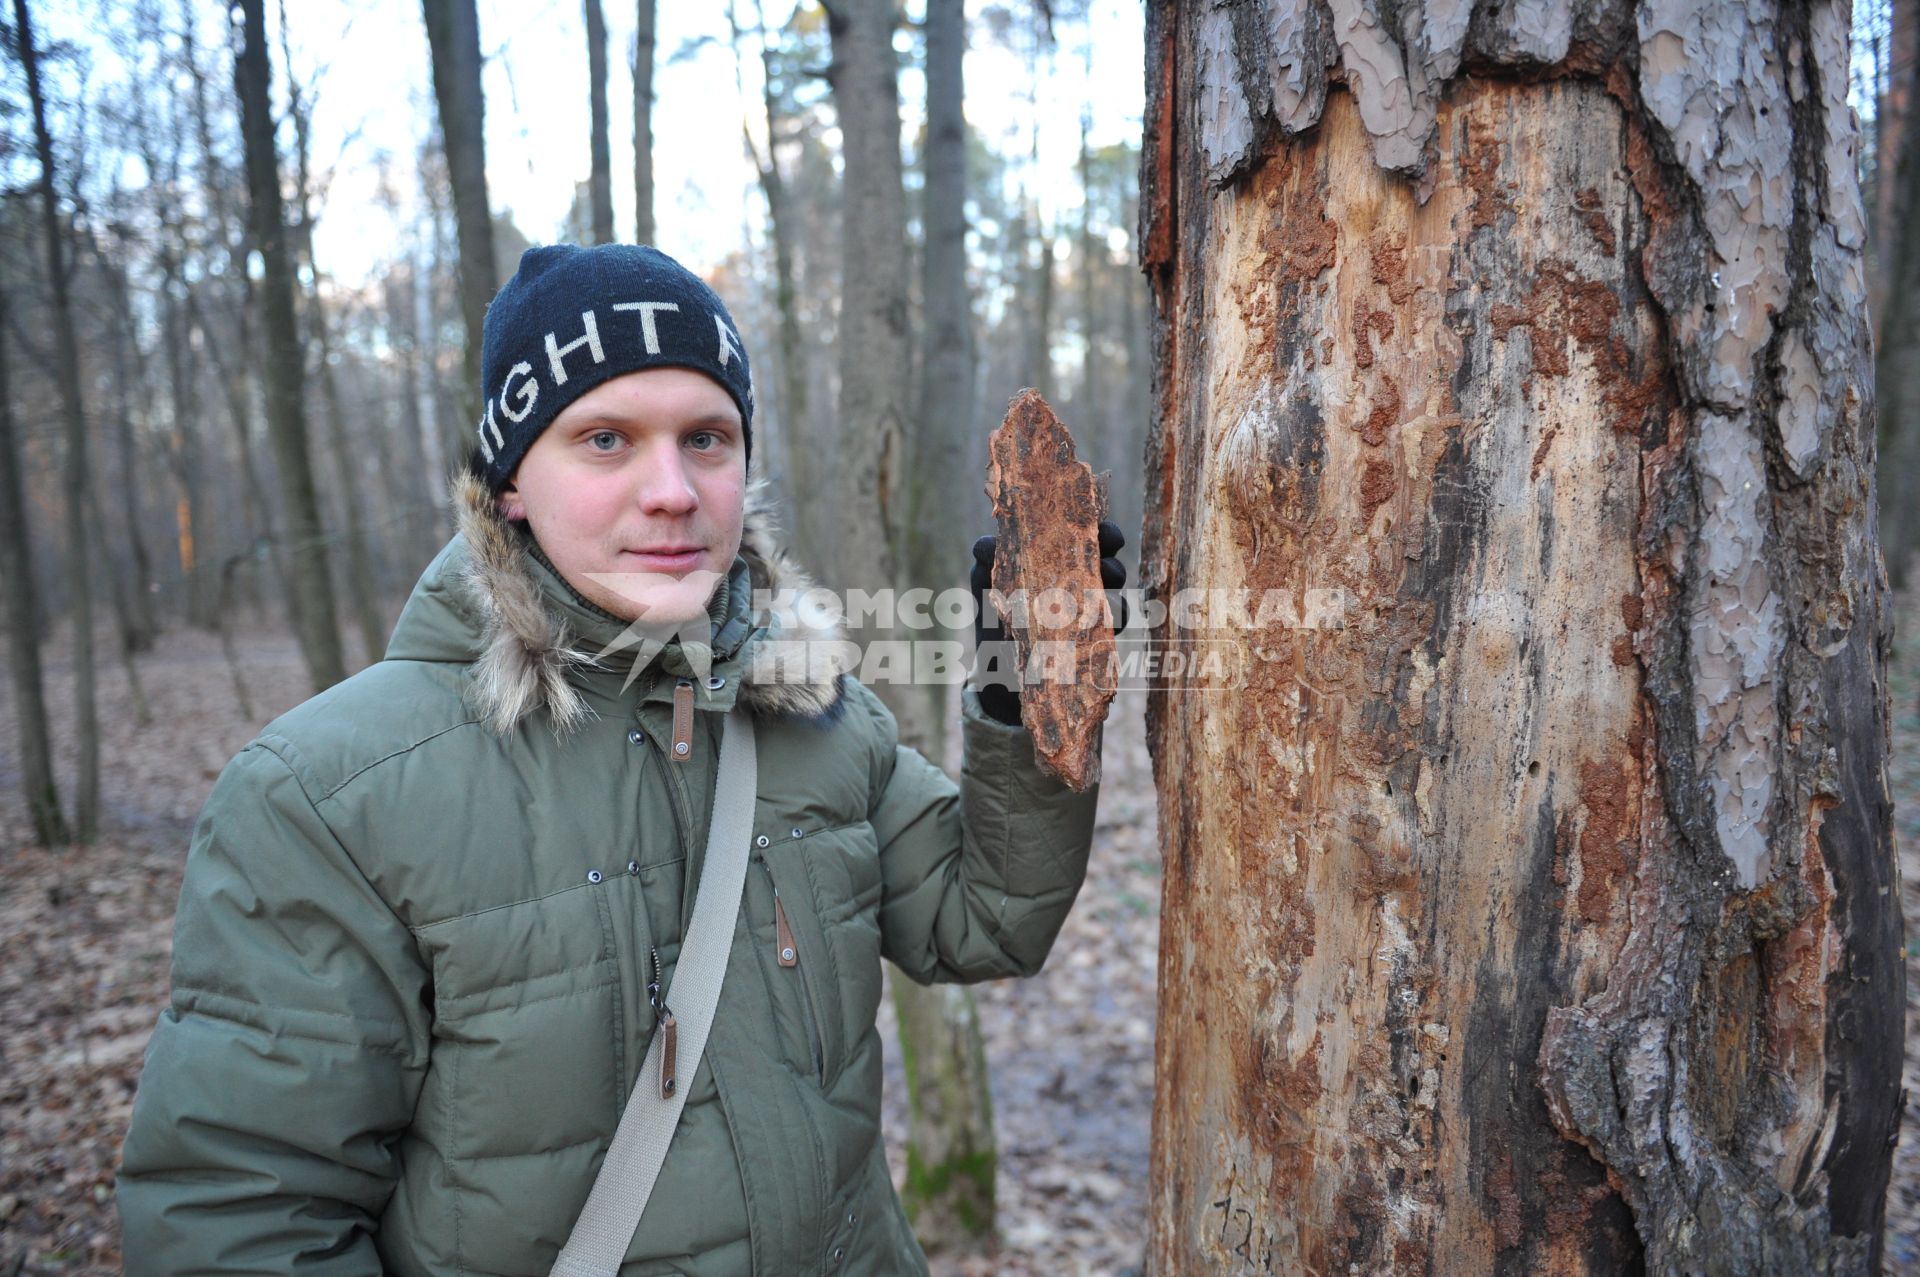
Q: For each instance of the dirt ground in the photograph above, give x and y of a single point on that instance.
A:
(87, 935)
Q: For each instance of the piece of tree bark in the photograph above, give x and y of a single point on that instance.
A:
(307, 581)
(1533, 908)
(453, 38)
(77, 477)
(1048, 507)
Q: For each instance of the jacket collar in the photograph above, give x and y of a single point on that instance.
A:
(538, 636)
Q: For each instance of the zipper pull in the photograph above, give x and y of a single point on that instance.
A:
(667, 1052)
(785, 950)
(669, 1028)
(683, 720)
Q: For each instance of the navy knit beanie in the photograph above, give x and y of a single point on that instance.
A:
(573, 318)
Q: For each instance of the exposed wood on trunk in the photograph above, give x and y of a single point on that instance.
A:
(1047, 556)
(1529, 910)
(76, 474)
(307, 577)
(21, 598)
(453, 37)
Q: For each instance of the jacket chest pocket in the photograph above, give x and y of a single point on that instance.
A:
(527, 1008)
(826, 900)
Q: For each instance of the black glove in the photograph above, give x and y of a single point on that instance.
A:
(994, 652)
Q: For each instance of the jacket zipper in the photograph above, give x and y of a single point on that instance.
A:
(787, 953)
(669, 1027)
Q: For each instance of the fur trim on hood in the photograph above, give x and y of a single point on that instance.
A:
(526, 649)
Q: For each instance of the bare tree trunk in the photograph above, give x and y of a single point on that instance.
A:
(1089, 405)
(874, 341)
(22, 602)
(797, 458)
(453, 33)
(1891, 150)
(307, 579)
(86, 806)
(951, 1154)
(233, 360)
(643, 231)
(1531, 906)
(361, 586)
(600, 182)
(128, 381)
(1897, 362)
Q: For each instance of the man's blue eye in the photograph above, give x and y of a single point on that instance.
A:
(605, 440)
(704, 439)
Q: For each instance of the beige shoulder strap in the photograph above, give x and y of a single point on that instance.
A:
(601, 1235)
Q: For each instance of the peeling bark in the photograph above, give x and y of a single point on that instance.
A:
(1048, 508)
(1533, 910)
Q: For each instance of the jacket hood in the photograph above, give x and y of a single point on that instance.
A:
(530, 637)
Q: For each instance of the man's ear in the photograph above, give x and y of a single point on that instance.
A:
(507, 501)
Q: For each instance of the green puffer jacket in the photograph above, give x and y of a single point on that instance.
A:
(419, 919)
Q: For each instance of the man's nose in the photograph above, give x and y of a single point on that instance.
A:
(664, 484)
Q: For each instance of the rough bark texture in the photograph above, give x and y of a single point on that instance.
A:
(75, 471)
(308, 581)
(20, 597)
(600, 182)
(875, 351)
(643, 124)
(1048, 506)
(453, 36)
(1531, 909)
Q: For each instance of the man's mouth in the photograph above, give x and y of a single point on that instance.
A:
(667, 556)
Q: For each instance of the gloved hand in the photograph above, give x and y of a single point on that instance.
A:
(1000, 691)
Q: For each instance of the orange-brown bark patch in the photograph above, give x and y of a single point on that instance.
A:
(1623, 650)
(1540, 452)
(1048, 507)
(1588, 202)
(1377, 486)
(1389, 256)
(1604, 837)
(1632, 611)
(1383, 413)
(1366, 321)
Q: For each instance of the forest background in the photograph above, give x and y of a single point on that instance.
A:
(174, 597)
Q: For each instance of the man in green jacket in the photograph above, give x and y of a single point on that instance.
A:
(423, 910)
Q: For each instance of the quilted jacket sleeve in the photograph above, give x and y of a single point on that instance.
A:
(263, 1136)
(978, 879)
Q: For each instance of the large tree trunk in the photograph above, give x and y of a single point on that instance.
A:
(643, 123)
(22, 602)
(949, 1186)
(307, 578)
(1530, 908)
(86, 804)
(453, 36)
(600, 179)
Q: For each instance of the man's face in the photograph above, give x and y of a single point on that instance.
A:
(636, 491)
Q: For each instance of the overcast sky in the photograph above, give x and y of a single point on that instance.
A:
(375, 95)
